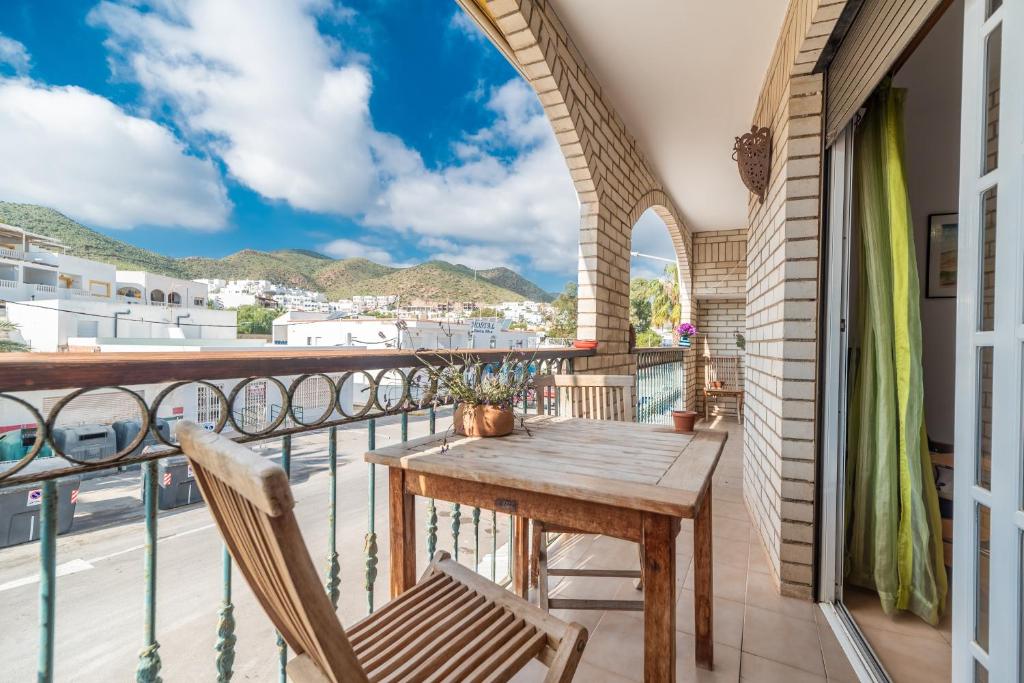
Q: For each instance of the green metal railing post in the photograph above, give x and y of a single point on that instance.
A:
(282, 647)
(432, 504)
(333, 566)
(456, 524)
(148, 670)
(476, 539)
(370, 546)
(226, 625)
(47, 580)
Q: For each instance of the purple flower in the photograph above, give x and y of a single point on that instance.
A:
(686, 330)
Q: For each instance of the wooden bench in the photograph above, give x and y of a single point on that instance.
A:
(453, 625)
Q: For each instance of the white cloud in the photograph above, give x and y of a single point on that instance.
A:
(260, 87)
(462, 23)
(73, 150)
(287, 110)
(14, 55)
(525, 208)
(345, 248)
(651, 237)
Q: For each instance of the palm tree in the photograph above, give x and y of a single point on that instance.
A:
(7, 344)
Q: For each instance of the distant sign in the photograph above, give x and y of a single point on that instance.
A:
(35, 497)
(480, 326)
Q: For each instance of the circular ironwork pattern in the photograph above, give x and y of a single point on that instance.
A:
(387, 392)
(274, 423)
(328, 411)
(51, 423)
(225, 408)
(37, 445)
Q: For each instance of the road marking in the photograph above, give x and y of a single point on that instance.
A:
(72, 567)
(80, 565)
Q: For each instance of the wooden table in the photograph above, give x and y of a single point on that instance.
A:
(621, 479)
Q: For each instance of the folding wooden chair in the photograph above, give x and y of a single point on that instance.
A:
(454, 625)
(722, 371)
(595, 397)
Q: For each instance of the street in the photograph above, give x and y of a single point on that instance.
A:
(100, 564)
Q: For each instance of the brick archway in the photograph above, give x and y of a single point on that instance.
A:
(682, 242)
(613, 180)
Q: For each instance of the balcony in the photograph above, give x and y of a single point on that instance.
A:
(95, 573)
(39, 258)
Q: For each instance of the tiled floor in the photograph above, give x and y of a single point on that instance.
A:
(760, 635)
(909, 649)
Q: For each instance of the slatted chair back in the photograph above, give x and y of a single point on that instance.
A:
(724, 369)
(594, 397)
(251, 500)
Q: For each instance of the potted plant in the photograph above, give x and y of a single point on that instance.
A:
(685, 331)
(485, 399)
(683, 421)
(741, 341)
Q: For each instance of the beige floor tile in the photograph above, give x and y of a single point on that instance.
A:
(617, 644)
(730, 552)
(782, 639)
(534, 672)
(912, 660)
(733, 529)
(727, 619)
(761, 592)
(837, 666)
(867, 612)
(730, 582)
(757, 559)
(761, 670)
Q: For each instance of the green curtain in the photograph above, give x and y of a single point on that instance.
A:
(894, 534)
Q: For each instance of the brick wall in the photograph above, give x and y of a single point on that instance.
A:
(720, 264)
(782, 302)
(720, 290)
(613, 180)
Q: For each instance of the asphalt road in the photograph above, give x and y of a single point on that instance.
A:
(100, 564)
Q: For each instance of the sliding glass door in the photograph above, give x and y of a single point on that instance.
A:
(988, 492)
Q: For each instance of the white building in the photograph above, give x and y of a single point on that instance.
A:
(136, 286)
(390, 333)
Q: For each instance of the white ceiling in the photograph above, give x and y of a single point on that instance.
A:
(684, 76)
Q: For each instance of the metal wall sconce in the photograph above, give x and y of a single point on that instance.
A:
(753, 155)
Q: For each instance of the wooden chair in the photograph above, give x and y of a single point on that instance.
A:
(723, 370)
(595, 397)
(454, 625)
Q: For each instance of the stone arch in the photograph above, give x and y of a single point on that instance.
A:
(156, 296)
(682, 241)
(612, 178)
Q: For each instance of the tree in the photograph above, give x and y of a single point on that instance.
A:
(648, 339)
(256, 319)
(487, 312)
(562, 323)
(640, 295)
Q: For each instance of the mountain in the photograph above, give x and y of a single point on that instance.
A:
(344, 278)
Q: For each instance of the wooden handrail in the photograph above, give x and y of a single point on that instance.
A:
(34, 371)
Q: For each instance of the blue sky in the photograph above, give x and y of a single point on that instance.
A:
(391, 130)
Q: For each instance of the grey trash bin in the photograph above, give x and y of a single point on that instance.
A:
(87, 443)
(20, 505)
(126, 430)
(176, 485)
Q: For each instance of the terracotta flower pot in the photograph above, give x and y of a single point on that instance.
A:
(483, 420)
(682, 421)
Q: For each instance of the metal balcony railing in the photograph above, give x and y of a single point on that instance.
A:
(254, 397)
(661, 383)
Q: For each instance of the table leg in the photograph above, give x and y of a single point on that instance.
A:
(660, 597)
(521, 556)
(402, 513)
(703, 586)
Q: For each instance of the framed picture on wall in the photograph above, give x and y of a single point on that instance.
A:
(942, 254)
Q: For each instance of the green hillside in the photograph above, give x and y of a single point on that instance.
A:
(433, 280)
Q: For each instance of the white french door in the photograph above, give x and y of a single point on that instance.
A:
(989, 486)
